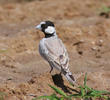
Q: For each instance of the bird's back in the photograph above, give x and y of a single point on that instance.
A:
(55, 46)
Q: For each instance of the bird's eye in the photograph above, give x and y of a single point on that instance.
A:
(43, 26)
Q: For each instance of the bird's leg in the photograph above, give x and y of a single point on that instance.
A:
(51, 65)
(51, 69)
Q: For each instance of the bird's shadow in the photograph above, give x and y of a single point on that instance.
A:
(58, 81)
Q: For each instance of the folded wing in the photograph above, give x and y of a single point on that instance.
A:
(53, 50)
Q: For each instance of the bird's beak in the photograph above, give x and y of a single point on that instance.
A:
(38, 27)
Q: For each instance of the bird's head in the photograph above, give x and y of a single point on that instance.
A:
(47, 27)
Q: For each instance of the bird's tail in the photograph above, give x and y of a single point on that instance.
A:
(69, 77)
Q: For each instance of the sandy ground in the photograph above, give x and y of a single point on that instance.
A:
(85, 34)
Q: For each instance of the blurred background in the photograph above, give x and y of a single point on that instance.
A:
(83, 26)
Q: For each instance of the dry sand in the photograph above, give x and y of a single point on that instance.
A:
(85, 34)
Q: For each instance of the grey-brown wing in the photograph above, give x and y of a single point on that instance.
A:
(57, 53)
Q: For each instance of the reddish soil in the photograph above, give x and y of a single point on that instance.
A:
(86, 35)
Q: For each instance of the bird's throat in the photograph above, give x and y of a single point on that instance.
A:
(49, 35)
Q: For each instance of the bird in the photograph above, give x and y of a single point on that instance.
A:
(52, 49)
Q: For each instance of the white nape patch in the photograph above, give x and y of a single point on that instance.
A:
(50, 30)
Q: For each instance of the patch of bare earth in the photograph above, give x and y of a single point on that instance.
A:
(86, 35)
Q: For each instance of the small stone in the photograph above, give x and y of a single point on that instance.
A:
(94, 48)
(93, 42)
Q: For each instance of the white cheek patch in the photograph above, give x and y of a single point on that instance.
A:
(50, 30)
